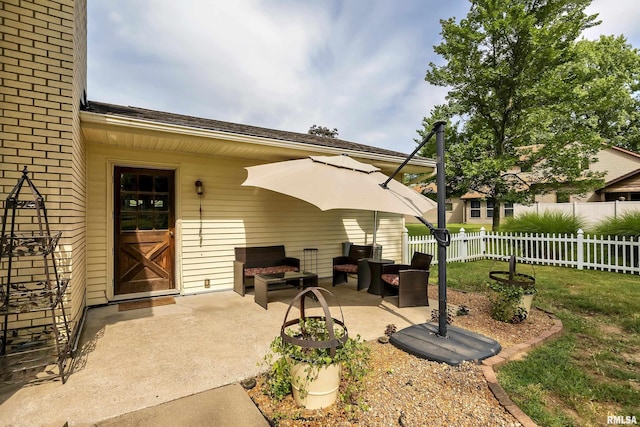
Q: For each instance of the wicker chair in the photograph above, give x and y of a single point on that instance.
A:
(345, 265)
(411, 281)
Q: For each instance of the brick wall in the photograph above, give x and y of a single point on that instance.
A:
(43, 77)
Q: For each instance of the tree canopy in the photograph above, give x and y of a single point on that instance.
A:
(529, 104)
(323, 131)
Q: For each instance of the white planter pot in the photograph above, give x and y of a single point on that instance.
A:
(320, 383)
(525, 302)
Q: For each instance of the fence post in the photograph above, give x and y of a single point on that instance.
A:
(405, 245)
(580, 249)
(483, 242)
(463, 245)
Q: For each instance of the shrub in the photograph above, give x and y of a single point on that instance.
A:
(552, 222)
(626, 225)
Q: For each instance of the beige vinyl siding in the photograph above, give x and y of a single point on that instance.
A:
(615, 163)
(232, 215)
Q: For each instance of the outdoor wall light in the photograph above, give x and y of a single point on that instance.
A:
(199, 188)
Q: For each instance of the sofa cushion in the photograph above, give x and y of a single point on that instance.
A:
(252, 272)
(347, 268)
(392, 279)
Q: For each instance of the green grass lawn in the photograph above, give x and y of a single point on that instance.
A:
(593, 369)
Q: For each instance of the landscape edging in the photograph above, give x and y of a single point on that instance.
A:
(514, 353)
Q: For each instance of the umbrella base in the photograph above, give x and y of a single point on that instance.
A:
(459, 345)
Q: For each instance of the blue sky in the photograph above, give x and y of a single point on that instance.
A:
(355, 65)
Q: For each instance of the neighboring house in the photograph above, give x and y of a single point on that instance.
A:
(454, 206)
(622, 183)
(622, 179)
(106, 170)
(471, 208)
(622, 188)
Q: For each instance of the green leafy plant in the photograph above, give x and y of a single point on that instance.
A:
(506, 299)
(551, 222)
(626, 225)
(353, 355)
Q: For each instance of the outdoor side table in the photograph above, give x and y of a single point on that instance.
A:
(265, 282)
(310, 260)
(372, 269)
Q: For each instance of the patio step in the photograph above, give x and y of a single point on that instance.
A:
(224, 406)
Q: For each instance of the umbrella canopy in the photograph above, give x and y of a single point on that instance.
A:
(338, 182)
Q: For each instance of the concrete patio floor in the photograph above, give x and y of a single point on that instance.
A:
(131, 360)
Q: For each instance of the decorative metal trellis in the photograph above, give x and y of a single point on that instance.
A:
(32, 347)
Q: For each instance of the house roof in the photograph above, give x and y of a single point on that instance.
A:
(100, 119)
(622, 150)
(618, 180)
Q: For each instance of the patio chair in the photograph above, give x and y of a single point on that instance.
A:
(411, 281)
(345, 265)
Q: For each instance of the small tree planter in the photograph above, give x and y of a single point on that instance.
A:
(315, 375)
(525, 303)
(313, 356)
(514, 294)
(315, 386)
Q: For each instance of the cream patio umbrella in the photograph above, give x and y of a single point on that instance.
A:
(338, 182)
(341, 182)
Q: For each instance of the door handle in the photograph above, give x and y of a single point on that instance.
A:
(170, 233)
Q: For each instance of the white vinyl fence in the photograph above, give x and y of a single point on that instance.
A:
(590, 212)
(578, 251)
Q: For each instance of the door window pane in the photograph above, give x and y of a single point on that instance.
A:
(128, 182)
(162, 184)
(161, 202)
(128, 221)
(145, 221)
(146, 183)
(146, 202)
(129, 202)
(161, 221)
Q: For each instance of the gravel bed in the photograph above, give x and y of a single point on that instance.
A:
(403, 390)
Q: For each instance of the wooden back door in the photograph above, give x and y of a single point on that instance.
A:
(144, 225)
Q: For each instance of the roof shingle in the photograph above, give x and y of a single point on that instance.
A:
(216, 125)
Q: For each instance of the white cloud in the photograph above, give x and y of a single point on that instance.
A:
(355, 65)
(618, 17)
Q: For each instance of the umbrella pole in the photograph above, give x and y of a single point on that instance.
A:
(375, 227)
(423, 340)
(444, 241)
(441, 233)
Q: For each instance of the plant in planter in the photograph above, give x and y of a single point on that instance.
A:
(315, 360)
(510, 303)
(513, 294)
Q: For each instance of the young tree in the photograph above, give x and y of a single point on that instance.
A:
(519, 102)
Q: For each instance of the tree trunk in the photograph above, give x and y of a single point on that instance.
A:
(497, 205)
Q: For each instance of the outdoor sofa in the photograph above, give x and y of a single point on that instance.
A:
(251, 261)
